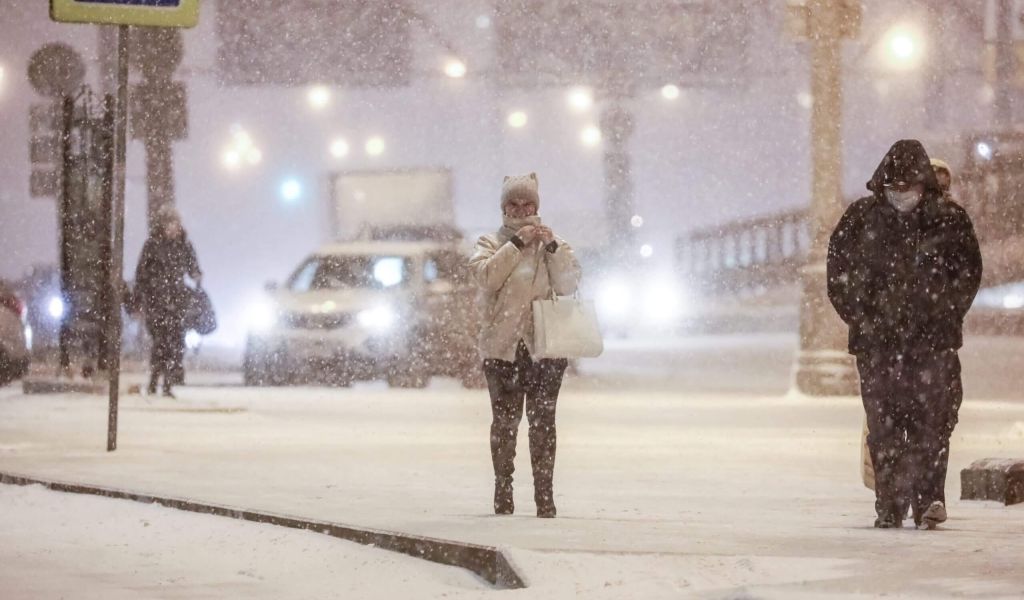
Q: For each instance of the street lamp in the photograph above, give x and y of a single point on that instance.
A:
(318, 97)
(454, 68)
(591, 135)
(232, 159)
(517, 119)
(375, 146)
(902, 48)
(670, 92)
(580, 99)
(240, 150)
(339, 148)
(291, 190)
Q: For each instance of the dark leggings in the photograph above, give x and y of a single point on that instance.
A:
(511, 385)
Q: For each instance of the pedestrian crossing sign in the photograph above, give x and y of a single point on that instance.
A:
(153, 13)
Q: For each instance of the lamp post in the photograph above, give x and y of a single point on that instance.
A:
(822, 366)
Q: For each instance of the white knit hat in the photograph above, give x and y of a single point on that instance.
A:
(519, 186)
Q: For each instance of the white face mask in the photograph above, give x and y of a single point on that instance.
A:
(903, 201)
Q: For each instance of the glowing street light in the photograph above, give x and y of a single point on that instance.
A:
(591, 135)
(984, 150)
(580, 99)
(637, 221)
(902, 48)
(456, 69)
(646, 251)
(318, 97)
(339, 148)
(232, 159)
(291, 190)
(670, 92)
(483, 22)
(375, 146)
(517, 119)
(240, 150)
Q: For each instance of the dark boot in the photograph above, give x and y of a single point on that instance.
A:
(542, 459)
(506, 410)
(545, 499)
(153, 380)
(541, 400)
(503, 502)
(167, 391)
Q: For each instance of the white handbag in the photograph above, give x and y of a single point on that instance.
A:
(566, 327)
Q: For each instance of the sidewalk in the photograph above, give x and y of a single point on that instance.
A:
(659, 494)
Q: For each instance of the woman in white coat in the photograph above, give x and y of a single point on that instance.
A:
(523, 261)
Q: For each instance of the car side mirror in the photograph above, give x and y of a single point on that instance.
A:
(270, 286)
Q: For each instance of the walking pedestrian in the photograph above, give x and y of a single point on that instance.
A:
(161, 291)
(522, 262)
(903, 269)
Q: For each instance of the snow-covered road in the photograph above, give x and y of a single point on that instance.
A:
(661, 493)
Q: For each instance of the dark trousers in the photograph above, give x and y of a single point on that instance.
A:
(167, 355)
(912, 401)
(536, 383)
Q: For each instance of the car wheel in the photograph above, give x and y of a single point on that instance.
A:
(408, 379)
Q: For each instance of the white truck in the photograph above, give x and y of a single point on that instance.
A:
(390, 299)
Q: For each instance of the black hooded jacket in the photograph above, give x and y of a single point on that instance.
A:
(904, 282)
(160, 278)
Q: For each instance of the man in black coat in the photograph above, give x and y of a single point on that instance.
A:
(903, 269)
(160, 289)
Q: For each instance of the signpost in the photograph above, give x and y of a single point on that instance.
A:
(152, 13)
(123, 13)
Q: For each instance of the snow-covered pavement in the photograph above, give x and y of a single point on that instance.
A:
(661, 493)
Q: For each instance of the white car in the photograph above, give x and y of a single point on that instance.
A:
(393, 310)
(15, 336)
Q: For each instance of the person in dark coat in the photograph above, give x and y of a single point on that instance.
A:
(161, 292)
(903, 269)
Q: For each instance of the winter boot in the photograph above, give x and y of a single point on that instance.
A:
(503, 503)
(933, 515)
(151, 389)
(168, 393)
(545, 500)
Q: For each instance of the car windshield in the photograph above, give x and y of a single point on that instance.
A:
(355, 271)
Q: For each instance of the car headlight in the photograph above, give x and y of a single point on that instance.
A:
(379, 319)
(662, 303)
(261, 317)
(614, 298)
(55, 308)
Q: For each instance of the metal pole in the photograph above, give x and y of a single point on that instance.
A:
(1005, 66)
(617, 128)
(823, 366)
(117, 227)
(67, 115)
